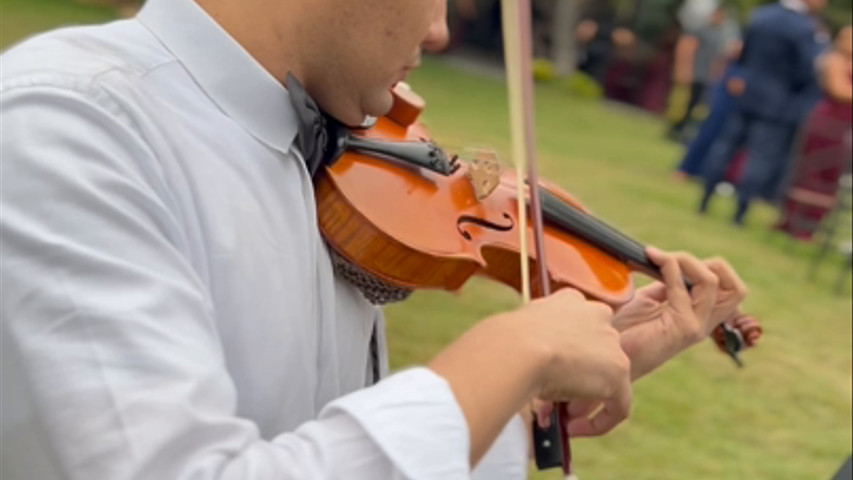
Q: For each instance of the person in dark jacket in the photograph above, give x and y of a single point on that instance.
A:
(774, 92)
(700, 61)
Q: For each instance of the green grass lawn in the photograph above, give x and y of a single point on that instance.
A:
(786, 416)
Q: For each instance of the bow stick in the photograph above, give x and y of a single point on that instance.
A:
(551, 445)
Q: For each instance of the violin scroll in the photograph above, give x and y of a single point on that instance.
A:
(733, 337)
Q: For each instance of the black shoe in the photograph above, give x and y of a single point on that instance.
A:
(703, 205)
(675, 136)
(740, 213)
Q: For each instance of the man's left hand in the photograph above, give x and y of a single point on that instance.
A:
(665, 318)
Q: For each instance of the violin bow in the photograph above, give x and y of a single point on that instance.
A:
(551, 445)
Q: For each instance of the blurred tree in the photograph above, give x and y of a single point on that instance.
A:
(567, 15)
(838, 13)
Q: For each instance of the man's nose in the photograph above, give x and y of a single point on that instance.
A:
(438, 35)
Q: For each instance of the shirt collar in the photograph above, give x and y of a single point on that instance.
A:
(226, 72)
(795, 5)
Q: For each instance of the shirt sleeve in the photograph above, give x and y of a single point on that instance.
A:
(116, 335)
(508, 458)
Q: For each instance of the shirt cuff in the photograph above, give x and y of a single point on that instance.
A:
(507, 459)
(413, 417)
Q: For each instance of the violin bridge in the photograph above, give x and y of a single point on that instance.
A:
(484, 172)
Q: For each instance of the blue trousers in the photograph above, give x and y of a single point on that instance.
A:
(767, 143)
(721, 105)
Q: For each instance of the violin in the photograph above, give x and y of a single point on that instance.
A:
(400, 209)
(400, 214)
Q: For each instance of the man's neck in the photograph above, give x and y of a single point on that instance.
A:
(267, 42)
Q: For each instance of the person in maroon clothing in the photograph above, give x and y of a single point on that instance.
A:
(824, 146)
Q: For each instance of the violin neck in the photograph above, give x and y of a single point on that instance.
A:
(561, 214)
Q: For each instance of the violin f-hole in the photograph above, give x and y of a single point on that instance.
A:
(463, 219)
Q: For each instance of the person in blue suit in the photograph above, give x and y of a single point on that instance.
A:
(722, 103)
(775, 89)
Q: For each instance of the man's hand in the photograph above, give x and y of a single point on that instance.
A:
(591, 370)
(664, 318)
(586, 368)
(585, 358)
(560, 348)
(736, 86)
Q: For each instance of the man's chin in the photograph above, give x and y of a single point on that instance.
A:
(379, 104)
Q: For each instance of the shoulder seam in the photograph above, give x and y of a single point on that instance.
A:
(89, 86)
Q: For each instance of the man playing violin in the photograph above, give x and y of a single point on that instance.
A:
(169, 309)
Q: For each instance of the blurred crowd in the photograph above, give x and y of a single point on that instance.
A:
(760, 99)
(779, 126)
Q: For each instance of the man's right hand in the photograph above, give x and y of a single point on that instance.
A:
(559, 348)
(588, 363)
(586, 357)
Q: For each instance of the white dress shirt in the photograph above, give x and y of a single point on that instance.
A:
(168, 309)
(798, 6)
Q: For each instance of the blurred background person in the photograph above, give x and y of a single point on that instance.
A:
(700, 60)
(460, 18)
(720, 104)
(597, 35)
(774, 91)
(656, 63)
(824, 152)
(808, 98)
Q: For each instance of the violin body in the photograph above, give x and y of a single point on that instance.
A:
(416, 228)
